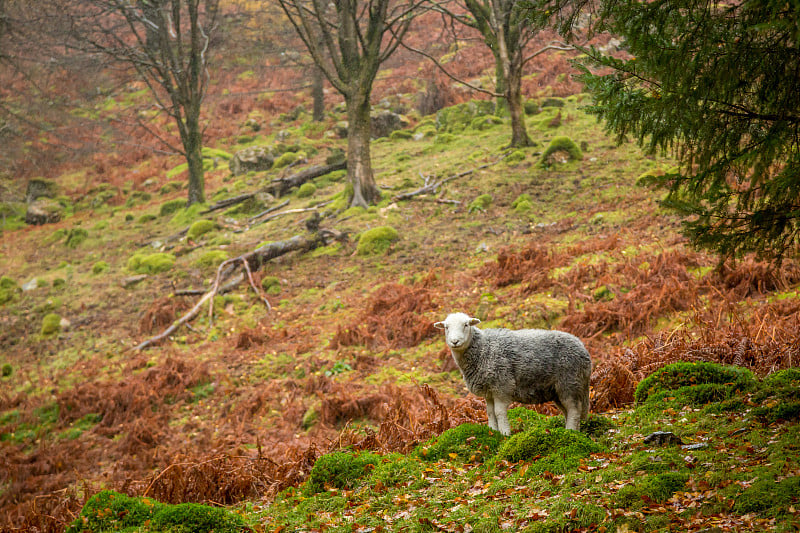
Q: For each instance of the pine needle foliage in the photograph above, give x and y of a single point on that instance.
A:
(716, 84)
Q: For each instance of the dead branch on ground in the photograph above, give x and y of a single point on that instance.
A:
(281, 186)
(431, 186)
(246, 263)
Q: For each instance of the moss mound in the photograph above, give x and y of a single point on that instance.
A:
(658, 488)
(9, 289)
(151, 263)
(306, 190)
(172, 206)
(199, 228)
(698, 382)
(211, 258)
(469, 442)
(481, 203)
(271, 285)
(111, 511)
(768, 495)
(75, 237)
(51, 324)
(561, 449)
(100, 267)
(341, 470)
(376, 240)
(562, 144)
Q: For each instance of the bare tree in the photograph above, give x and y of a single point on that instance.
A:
(166, 42)
(507, 29)
(349, 40)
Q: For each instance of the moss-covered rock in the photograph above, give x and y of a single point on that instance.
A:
(100, 267)
(154, 263)
(200, 228)
(401, 135)
(112, 511)
(271, 285)
(564, 145)
(341, 470)
(458, 117)
(137, 198)
(286, 159)
(9, 290)
(515, 157)
(211, 258)
(306, 190)
(75, 237)
(561, 447)
(657, 488)
(468, 442)
(149, 217)
(481, 203)
(522, 204)
(51, 324)
(376, 240)
(171, 206)
(696, 382)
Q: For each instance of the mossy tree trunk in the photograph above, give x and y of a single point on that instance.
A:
(349, 40)
(359, 161)
(166, 42)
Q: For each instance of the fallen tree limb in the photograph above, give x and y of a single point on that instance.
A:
(255, 222)
(227, 276)
(267, 211)
(432, 186)
(222, 204)
(282, 185)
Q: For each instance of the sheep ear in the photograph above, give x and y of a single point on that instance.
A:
(474, 321)
(439, 325)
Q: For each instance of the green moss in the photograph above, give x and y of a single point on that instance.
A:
(769, 496)
(285, 159)
(342, 470)
(149, 217)
(485, 122)
(306, 190)
(187, 215)
(171, 206)
(658, 488)
(199, 228)
(444, 138)
(468, 442)
(154, 263)
(396, 469)
(561, 448)
(603, 293)
(51, 324)
(562, 144)
(400, 135)
(481, 203)
(271, 285)
(7, 370)
(112, 511)
(517, 156)
(9, 290)
(376, 240)
(75, 237)
(137, 198)
(211, 258)
(170, 187)
(531, 107)
(100, 267)
(679, 377)
(460, 116)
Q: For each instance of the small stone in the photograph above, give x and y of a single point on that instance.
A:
(31, 285)
(662, 438)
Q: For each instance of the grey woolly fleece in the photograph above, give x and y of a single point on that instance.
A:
(528, 366)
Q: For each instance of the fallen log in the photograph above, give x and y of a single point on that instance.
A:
(281, 186)
(227, 202)
(228, 275)
(432, 186)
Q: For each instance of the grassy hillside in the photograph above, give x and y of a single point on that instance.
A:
(238, 407)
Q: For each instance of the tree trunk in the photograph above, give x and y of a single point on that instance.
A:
(500, 87)
(318, 94)
(193, 145)
(519, 134)
(359, 163)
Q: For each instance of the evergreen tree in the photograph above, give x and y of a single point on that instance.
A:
(718, 85)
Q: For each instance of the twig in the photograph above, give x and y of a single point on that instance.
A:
(430, 188)
(267, 211)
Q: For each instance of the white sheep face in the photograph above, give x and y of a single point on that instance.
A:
(457, 330)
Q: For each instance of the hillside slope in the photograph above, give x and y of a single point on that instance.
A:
(239, 406)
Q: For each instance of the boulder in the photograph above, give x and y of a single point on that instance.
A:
(384, 123)
(43, 211)
(253, 158)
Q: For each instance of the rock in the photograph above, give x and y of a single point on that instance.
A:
(40, 188)
(65, 324)
(43, 211)
(662, 438)
(385, 122)
(31, 285)
(133, 280)
(253, 158)
(698, 446)
(341, 128)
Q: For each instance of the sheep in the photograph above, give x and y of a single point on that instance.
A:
(528, 366)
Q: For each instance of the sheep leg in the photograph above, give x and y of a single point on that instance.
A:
(573, 414)
(501, 413)
(490, 413)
